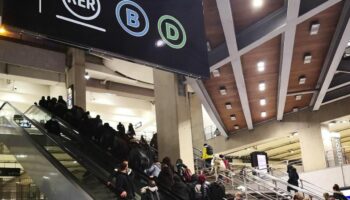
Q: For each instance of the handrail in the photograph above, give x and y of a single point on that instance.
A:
(43, 151)
(107, 156)
(310, 193)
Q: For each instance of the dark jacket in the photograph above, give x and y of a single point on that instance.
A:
(182, 190)
(165, 177)
(339, 196)
(122, 183)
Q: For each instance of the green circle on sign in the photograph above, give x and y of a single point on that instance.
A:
(165, 39)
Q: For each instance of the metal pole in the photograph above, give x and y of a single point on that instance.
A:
(245, 184)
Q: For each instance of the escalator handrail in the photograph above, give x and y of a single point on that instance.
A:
(105, 154)
(66, 173)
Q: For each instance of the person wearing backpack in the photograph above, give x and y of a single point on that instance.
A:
(183, 171)
(200, 190)
(207, 155)
(150, 192)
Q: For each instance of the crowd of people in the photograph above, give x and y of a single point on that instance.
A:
(177, 178)
(118, 142)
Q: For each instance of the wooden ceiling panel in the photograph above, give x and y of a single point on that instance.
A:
(226, 80)
(316, 45)
(291, 102)
(269, 53)
(213, 27)
(245, 14)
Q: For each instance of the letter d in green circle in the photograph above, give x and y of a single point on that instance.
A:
(171, 34)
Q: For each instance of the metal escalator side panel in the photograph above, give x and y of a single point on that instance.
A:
(51, 181)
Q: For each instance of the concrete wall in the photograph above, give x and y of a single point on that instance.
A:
(306, 122)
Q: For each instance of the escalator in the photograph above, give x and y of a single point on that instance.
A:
(102, 160)
(59, 172)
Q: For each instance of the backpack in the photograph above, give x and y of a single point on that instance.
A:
(187, 175)
(210, 150)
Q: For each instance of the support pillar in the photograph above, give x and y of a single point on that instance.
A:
(75, 76)
(312, 148)
(198, 136)
(173, 118)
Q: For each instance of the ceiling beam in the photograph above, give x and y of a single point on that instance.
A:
(287, 56)
(279, 28)
(199, 89)
(335, 53)
(339, 80)
(225, 12)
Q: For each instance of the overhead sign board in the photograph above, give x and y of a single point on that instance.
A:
(162, 33)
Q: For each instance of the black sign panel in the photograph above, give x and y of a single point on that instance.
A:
(163, 33)
(10, 171)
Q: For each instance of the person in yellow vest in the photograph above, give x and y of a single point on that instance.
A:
(207, 155)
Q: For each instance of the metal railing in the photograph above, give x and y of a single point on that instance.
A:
(20, 189)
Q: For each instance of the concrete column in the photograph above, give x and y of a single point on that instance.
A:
(75, 75)
(173, 118)
(198, 137)
(312, 148)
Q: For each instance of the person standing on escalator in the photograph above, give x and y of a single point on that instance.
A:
(124, 187)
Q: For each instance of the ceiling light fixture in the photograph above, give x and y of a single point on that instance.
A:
(349, 43)
(262, 102)
(302, 80)
(314, 28)
(261, 66)
(262, 86)
(233, 117)
(295, 133)
(228, 106)
(87, 76)
(263, 114)
(216, 73)
(307, 58)
(3, 31)
(236, 127)
(223, 91)
(298, 97)
(257, 3)
(295, 109)
(331, 123)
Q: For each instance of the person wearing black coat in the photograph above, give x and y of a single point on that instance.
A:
(121, 128)
(293, 178)
(61, 101)
(337, 194)
(123, 185)
(43, 102)
(181, 189)
(165, 177)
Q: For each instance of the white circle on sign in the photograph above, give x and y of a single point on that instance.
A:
(121, 23)
(94, 16)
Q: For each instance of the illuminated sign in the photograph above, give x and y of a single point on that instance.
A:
(166, 34)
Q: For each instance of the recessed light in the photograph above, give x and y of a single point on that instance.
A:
(262, 102)
(228, 106)
(302, 80)
(314, 28)
(233, 117)
(298, 97)
(2, 30)
(208, 46)
(291, 151)
(295, 133)
(216, 73)
(262, 86)
(236, 127)
(261, 66)
(331, 123)
(349, 44)
(263, 114)
(257, 3)
(295, 109)
(223, 91)
(307, 58)
(87, 76)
